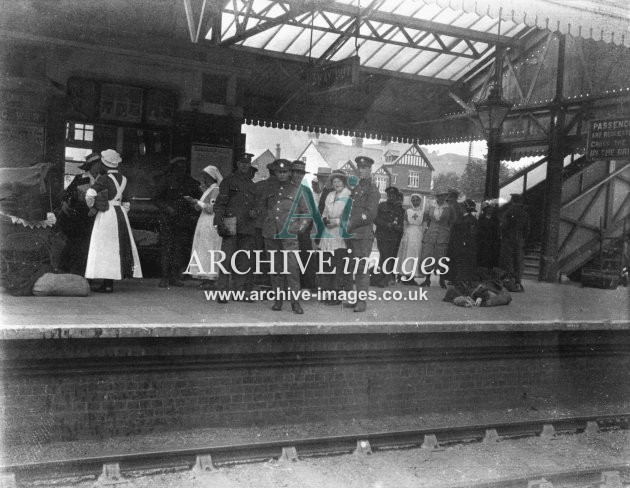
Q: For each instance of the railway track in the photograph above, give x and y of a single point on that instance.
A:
(117, 467)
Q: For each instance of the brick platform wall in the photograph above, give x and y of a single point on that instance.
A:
(98, 388)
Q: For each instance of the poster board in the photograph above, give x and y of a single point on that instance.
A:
(201, 155)
(608, 139)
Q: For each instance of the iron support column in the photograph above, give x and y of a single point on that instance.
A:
(553, 185)
(493, 165)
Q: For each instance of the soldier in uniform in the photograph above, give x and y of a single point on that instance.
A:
(514, 224)
(260, 190)
(365, 197)
(237, 199)
(389, 221)
(307, 280)
(278, 202)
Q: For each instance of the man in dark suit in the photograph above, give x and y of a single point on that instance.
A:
(365, 197)
(235, 215)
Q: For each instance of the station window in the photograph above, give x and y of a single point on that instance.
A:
(414, 179)
(79, 132)
(394, 178)
(79, 143)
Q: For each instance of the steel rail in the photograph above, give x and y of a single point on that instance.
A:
(307, 447)
(581, 477)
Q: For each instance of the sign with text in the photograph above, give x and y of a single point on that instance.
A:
(201, 155)
(334, 76)
(608, 139)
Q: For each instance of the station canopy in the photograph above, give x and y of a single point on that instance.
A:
(370, 68)
(416, 58)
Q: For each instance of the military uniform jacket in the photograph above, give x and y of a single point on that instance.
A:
(261, 189)
(236, 198)
(277, 202)
(389, 221)
(365, 197)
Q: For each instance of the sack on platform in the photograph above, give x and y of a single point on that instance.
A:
(61, 285)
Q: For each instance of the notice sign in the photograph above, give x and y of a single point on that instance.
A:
(334, 76)
(201, 155)
(608, 139)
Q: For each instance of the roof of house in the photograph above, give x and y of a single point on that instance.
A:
(337, 154)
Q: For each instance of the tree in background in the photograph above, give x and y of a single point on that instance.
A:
(473, 180)
(447, 180)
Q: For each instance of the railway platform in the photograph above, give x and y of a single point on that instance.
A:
(152, 362)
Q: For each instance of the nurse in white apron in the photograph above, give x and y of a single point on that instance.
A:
(113, 254)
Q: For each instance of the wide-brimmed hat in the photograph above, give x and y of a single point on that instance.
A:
(392, 189)
(110, 158)
(90, 160)
(453, 190)
(440, 190)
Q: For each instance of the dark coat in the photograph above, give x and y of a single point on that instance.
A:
(390, 218)
(365, 197)
(237, 196)
(462, 249)
(171, 196)
(488, 242)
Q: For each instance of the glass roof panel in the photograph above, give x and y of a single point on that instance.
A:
(447, 16)
(283, 38)
(401, 59)
(384, 54)
(321, 42)
(229, 27)
(347, 50)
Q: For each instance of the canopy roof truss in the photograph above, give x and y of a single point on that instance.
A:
(413, 38)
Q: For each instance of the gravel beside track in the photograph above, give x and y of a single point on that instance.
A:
(523, 456)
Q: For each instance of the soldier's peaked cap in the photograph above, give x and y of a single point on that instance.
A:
(281, 165)
(245, 157)
(363, 161)
(298, 166)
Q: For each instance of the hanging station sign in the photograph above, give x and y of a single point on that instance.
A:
(334, 76)
(608, 139)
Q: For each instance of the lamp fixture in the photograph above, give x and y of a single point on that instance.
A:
(493, 110)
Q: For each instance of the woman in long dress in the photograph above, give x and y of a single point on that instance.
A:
(463, 246)
(206, 237)
(113, 254)
(332, 216)
(411, 242)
